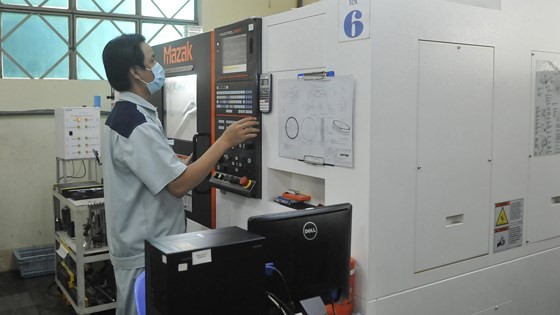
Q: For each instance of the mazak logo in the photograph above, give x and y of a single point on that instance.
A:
(173, 55)
(310, 231)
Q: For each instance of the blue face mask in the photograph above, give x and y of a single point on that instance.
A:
(159, 78)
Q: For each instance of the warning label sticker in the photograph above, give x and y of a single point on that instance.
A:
(502, 218)
(508, 225)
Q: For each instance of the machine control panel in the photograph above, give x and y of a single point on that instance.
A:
(236, 171)
(234, 101)
(237, 66)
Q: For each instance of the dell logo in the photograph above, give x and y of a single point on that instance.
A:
(309, 231)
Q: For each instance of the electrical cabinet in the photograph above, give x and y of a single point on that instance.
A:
(77, 132)
(83, 269)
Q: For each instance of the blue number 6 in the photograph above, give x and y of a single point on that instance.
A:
(352, 26)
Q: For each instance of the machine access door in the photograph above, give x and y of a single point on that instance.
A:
(184, 106)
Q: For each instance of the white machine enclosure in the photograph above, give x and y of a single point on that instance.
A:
(77, 131)
(444, 135)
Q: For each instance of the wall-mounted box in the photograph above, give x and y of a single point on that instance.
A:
(77, 132)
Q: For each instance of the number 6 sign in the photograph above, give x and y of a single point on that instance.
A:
(353, 19)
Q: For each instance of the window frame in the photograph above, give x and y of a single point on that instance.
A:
(73, 14)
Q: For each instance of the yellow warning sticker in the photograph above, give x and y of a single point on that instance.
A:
(502, 218)
(508, 229)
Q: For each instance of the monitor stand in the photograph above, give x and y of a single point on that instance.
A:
(314, 306)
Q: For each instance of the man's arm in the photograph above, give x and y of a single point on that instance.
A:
(235, 134)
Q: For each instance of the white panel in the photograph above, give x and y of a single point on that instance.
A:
(490, 4)
(454, 153)
(298, 44)
(526, 286)
(543, 204)
(501, 309)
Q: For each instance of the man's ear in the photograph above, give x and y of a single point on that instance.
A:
(134, 72)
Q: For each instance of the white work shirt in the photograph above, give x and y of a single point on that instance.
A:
(138, 163)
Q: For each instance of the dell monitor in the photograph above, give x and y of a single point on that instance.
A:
(310, 248)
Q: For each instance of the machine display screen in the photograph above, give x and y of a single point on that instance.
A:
(234, 54)
(180, 107)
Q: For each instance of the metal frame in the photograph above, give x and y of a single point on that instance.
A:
(73, 14)
(79, 212)
(77, 42)
(91, 169)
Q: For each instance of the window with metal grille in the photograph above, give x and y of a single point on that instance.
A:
(64, 39)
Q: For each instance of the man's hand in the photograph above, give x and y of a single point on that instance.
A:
(235, 134)
(240, 131)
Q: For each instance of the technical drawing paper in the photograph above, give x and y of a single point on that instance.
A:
(316, 122)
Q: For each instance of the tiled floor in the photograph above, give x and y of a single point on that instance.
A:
(32, 296)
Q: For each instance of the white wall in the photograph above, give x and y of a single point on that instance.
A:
(307, 2)
(215, 13)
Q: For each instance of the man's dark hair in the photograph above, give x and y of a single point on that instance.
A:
(119, 55)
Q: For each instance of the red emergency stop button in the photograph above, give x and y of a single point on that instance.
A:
(243, 181)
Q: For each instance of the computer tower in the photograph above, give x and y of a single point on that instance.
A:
(209, 272)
